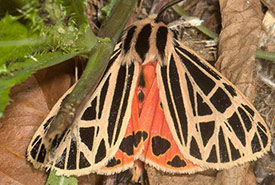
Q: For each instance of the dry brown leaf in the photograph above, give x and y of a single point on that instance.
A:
(237, 175)
(267, 39)
(31, 101)
(241, 22)
(270, 4)
(159, 178)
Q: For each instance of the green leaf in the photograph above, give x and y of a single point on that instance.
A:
(53, 179)
(62, 21)
(46, 60)
(270, 56)
(40, 43)
(15, 39)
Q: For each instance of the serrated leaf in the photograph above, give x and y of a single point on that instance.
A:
(16, 40)
(12, 79)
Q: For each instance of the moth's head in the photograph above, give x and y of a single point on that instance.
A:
(151, 19)
(148, 39)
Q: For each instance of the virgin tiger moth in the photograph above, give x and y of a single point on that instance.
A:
(159, 102)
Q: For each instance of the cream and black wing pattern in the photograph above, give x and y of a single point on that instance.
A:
(159, 102)
(212, 122)
(97, 132)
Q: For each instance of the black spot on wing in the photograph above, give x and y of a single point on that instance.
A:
(237, 127)
(212, 158)
(230, 89)
(222, 148)
(246, 119)
(220, 100)
(113, 162)
(144, 135)
(263, 136)
(203, 108)
(102, 96)
(161, 40)
(194, 149)
(83, 162)
(142, 44)
(87, 136)
(255, 144)
(177, 96)
(200, 63)
(116, 101)
(42, 154)
(207, 130)
(141, 96)
(128, 39)
(126, 100)
(137, 138)
(248, 109)
(127, 145)
(205, 83)
(90, 113)
(101, 152)
(61, 161)
(141, 80)
(169, 101)
(35, 147)
(160, 145)
(71, 163)
(235, 153)
(191, 93)
(177, 162)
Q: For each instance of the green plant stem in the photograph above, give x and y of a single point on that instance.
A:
(98, 60)
(265, 55)
(179, 10)
(115, 24)
(201, 28)
(207, 32)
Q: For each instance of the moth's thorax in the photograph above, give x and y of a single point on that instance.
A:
(146, 41)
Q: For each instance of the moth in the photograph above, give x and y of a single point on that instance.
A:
(158, 102)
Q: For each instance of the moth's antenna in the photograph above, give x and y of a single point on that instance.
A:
(165, 7)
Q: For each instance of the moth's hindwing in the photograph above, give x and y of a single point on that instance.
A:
(212, 122)
(159, 148)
